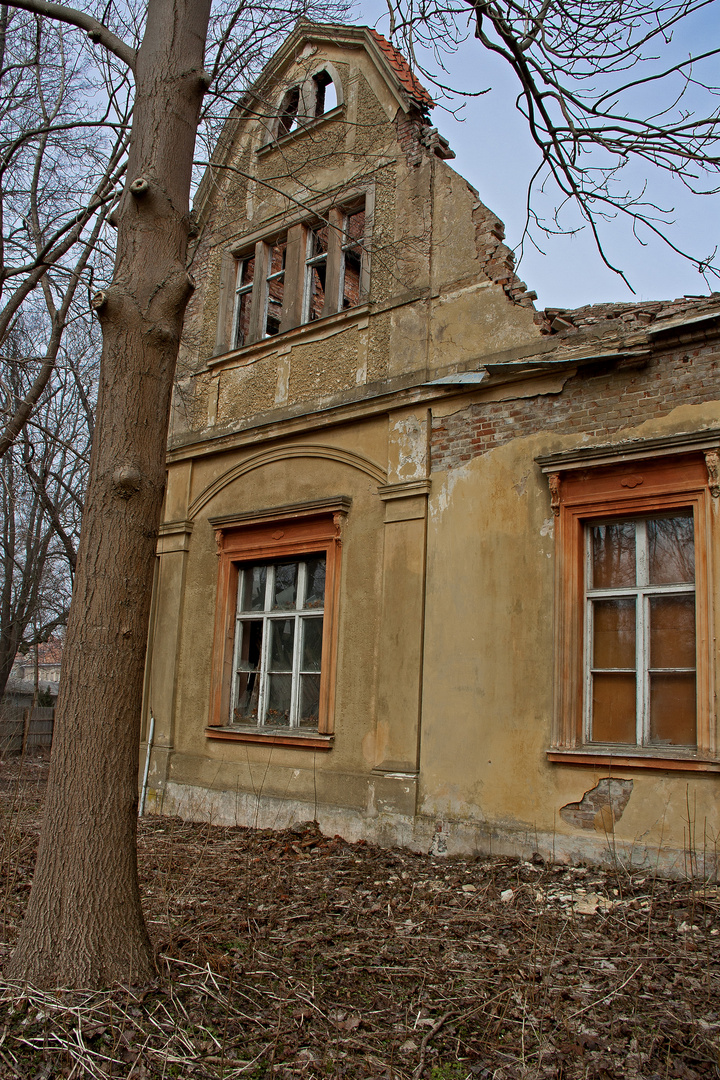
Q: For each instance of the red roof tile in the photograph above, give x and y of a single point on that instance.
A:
(400, 66)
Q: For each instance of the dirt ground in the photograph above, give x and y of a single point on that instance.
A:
(292, 954)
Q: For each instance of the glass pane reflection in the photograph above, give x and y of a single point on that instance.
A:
(614, 633)
(613, 555)
(671, 549)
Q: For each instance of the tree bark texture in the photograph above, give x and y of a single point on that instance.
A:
(84, 924)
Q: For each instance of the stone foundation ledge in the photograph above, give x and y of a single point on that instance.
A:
(430, 835)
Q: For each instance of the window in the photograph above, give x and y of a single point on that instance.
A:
(314, 270)
(307, 101)
(243, 296)
(276, 625)
(315, 273)
(325, 93)
(278, 644)
(633, 669)
(640, 650)
(352, 248)
(273, 305)
(269, 296)
(287, 117)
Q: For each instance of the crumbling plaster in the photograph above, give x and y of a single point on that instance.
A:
(444, 689)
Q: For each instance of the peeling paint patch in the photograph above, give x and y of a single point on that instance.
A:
(600, 807)
(410, 438)
(444, 496)
(548, 527)
(521, 485)
(439, 841)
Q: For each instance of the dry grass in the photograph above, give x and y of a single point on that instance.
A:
(295, 955)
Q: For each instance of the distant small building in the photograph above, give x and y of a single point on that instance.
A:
(436, 569)
(48, 658)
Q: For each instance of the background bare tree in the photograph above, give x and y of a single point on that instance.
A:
(84, 923)
(611, 101)
(63, 139)
(42, 483)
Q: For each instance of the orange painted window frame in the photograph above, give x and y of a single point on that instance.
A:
(581, 495)
(272, 537)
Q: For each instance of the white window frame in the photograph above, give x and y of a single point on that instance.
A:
(269, 277)
(240, 291)
(300, 615)
(642, 592)
(311, 261)
(346, 246)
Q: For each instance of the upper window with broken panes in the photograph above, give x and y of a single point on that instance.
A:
(320, 273)
(303, 103)
(274, 293)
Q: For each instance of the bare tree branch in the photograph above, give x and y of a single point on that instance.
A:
(96, 31)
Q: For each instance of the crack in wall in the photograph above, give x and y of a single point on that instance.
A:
(600, 807)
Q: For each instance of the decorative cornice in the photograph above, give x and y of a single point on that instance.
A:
(405, 490)
(630, 450)
(338, 504)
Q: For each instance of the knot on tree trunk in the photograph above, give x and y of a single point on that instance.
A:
(126, 481)
(139, 187)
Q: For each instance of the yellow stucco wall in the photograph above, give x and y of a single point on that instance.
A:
(445, 665)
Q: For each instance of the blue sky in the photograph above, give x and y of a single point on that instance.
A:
(495, 153)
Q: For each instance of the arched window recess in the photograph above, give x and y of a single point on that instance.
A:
(300, 105)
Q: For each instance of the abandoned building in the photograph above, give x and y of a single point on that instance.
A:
(437, 569)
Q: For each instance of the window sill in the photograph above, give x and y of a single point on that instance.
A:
(676, 759)
(330, 324)
(272, 737)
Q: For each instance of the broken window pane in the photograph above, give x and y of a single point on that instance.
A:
(275, 287)
(316, 270)
(282, 639)
(309, 700)
(253, 588)
(287, 120)
(312, 644)
(251, 646)
(315, 588)
(279, 698)
(248, 682)
(352, 257)
(243, 297)
(325, 93)
(285, 590)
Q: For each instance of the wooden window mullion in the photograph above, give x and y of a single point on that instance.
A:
(258, 304)
(335, 262)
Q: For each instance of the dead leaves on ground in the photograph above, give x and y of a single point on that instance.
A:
(296, 955)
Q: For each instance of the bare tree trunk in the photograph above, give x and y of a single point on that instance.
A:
(84, 924)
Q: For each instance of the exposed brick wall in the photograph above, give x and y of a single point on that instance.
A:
(598, 406)
(410, 128)
(497, 258)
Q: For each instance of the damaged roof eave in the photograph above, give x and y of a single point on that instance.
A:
(358, 37)
(680, 324)
(512, 370)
